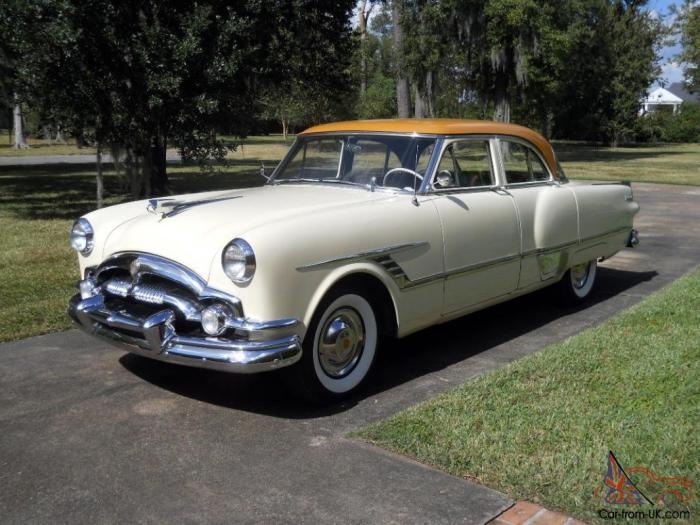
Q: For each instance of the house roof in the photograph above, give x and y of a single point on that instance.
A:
(679, 90)
(662, 96)
(440, 127)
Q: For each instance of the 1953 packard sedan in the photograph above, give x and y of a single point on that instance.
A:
(365, 229)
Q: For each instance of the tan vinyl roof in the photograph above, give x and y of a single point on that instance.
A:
(441, 126)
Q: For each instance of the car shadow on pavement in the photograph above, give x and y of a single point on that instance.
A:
(399, 361)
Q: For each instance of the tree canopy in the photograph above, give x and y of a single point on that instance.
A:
(148, 74)
(138, 77)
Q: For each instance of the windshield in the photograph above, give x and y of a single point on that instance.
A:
(357, 159)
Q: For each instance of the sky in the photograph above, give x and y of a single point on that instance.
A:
(671, 71)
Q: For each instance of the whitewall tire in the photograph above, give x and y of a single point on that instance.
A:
(339, 347)
(578, 282)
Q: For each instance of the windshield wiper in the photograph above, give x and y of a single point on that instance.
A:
(325, 181)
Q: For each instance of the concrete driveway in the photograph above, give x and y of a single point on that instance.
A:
(90, 434)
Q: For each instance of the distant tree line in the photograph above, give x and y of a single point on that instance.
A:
(138, 77)
(575, 68)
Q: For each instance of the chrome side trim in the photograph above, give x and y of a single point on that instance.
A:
(362, 255)
(403, 281)
(481, 265)
(553, 248)
(609, 232)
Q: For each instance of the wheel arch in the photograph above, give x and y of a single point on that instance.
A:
(369, 279)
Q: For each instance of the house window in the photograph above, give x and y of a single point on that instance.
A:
(521, 163)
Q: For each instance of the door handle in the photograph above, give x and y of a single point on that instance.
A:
(500, 190)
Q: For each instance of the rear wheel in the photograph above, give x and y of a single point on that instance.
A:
(577, 283)
(339, 348)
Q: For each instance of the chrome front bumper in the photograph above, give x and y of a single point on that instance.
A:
(154, 336)
(140, 301)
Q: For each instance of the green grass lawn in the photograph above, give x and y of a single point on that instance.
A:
(669, 163)
(540, 428)
(40, 147)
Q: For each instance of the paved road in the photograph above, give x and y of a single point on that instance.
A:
(89, 434)
(37, 160)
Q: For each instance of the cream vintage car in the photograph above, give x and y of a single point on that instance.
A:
(365, 229)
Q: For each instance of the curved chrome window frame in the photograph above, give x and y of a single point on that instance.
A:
(429, 171)
(528, 144)
(493, 154)
(441, 142)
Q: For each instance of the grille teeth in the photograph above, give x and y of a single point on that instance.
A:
(119, 287)
(142, 292)
(148, 294)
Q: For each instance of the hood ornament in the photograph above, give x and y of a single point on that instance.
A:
(169, 207)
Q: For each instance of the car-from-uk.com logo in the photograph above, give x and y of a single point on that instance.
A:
(663, 497)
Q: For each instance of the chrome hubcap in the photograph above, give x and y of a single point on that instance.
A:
(341, 342)
(579, 275)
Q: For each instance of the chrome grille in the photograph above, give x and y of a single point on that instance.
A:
(118, 287)
(148, 294)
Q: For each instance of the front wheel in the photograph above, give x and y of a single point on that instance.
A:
(339, 348)
(577, 283)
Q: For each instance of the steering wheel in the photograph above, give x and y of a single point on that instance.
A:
(397, 170)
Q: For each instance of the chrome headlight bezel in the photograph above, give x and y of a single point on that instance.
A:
(82, 236)
(238, 261)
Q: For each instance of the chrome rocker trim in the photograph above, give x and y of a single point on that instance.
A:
(160, 341)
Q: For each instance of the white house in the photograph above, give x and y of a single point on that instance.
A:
(658, 98)
(672, 96)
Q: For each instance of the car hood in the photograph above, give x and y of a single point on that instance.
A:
(193, 229)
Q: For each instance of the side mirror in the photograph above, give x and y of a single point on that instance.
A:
(262, 172)
(444, 179)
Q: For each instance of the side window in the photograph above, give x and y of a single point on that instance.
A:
(465, 164)
(521, 163)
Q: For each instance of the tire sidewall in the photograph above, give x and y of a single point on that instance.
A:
(585, 290)
(345, 385)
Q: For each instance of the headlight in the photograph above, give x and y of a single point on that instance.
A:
(238, 261)
(81, 236)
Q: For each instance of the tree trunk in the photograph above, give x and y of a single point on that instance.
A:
(425, 97)
(20, 139)
(158, 175)
(418, 103)
(403, 96)
(501, 112)
(99, 180)
(60, 137)
(362, 28)
(547, 118)
(80, 138)
(285, 128)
